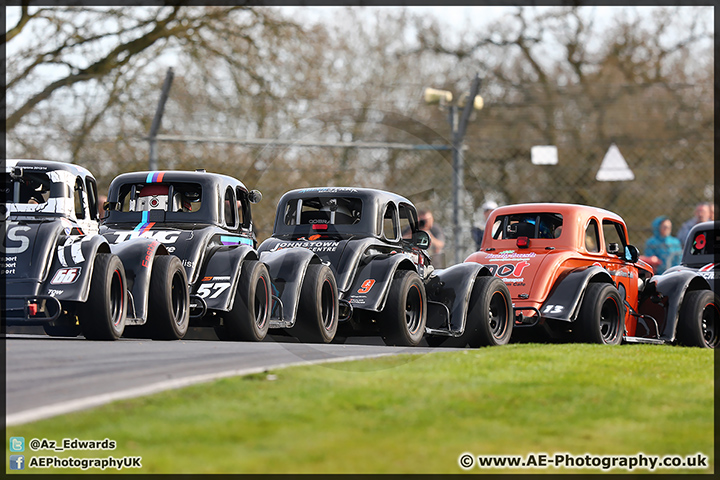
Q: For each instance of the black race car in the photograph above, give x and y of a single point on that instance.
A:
(371, 241)
(205, 220)
(61, 274)
(701, 252)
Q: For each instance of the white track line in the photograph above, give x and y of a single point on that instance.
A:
(48, 411)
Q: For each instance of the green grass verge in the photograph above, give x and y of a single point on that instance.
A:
(415, 413)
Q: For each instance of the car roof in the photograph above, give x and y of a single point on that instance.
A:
(565, 209)
(170, 176)
(362, 193)
(45, 165)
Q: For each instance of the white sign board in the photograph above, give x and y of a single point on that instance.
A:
(544, 155)
(614, 168)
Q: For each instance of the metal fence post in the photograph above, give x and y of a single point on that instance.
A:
(158, 117)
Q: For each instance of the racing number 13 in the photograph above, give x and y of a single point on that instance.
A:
(366, 286)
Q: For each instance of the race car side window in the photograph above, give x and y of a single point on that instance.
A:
(92, 198)
(79, 200)
(408, 221)
(389, 225)
(613, 233)
(230, 208)
(592, 239)
(243, 208)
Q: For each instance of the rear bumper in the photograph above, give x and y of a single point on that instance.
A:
(30, 310)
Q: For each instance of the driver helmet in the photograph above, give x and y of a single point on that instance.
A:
(152, 197)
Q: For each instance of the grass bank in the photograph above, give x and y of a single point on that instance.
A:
(415, 414)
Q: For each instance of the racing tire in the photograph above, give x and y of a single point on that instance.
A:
(490, 318)
(169, 299)
(318, 307)
(601, 318)
(103, 315)
(402, 321)
(249, 317)
(699, 317)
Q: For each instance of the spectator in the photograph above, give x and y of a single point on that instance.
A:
(704, 211)
(662, 249)
(437, 237)
(101, 202)
(477, 232)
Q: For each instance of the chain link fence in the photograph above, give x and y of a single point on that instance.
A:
(670, 178)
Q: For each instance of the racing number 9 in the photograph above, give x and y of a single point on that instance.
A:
(366, 286)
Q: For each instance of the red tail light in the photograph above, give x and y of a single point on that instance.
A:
(32, 309)
(523, 242)
(319, 226)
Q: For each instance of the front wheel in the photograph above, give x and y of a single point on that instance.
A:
(317, 317)
(249, 317)
(698, 322)
(403, 319)
(601, 315)
(169, 300)
(102, 316)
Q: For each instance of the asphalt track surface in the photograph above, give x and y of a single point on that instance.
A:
(48, 376)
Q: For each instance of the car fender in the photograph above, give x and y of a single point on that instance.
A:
(673, 286)
(220, 274)
(137, 255)
(452, 288)
(287, 270)
(566, 296)
(70, 273)
(369, 289)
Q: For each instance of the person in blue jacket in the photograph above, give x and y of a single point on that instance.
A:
(663, 249)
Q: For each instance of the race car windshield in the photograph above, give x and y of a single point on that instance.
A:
(705, 243)
(530, 225)
(323, 211)
(145, 197)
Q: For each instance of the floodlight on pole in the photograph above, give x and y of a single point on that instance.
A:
(433, 96)
(458, 117)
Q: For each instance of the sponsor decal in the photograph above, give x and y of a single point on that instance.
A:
(507, 269)
(15, 236)
(509, 255)
(8, 265)
(329, 190)
(52, 292)
(162, 236)
(316, 246)
(148, 255)
(65, 276)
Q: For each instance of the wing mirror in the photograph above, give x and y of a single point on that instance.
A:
(254, 196)
(632, 254)
(421, 239)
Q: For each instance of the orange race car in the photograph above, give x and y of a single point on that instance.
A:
(572, 273)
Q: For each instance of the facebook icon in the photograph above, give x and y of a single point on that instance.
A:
(17, 462)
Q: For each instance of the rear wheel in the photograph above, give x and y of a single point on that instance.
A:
(489, 319)
(698, 322)
(403, 319)
(601, 315)
(249, 317)
(317, 318)
(102, 316)
(169, 300)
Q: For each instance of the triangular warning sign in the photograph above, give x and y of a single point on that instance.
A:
(614, 168)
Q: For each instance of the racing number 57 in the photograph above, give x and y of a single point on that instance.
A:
(212, 290)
